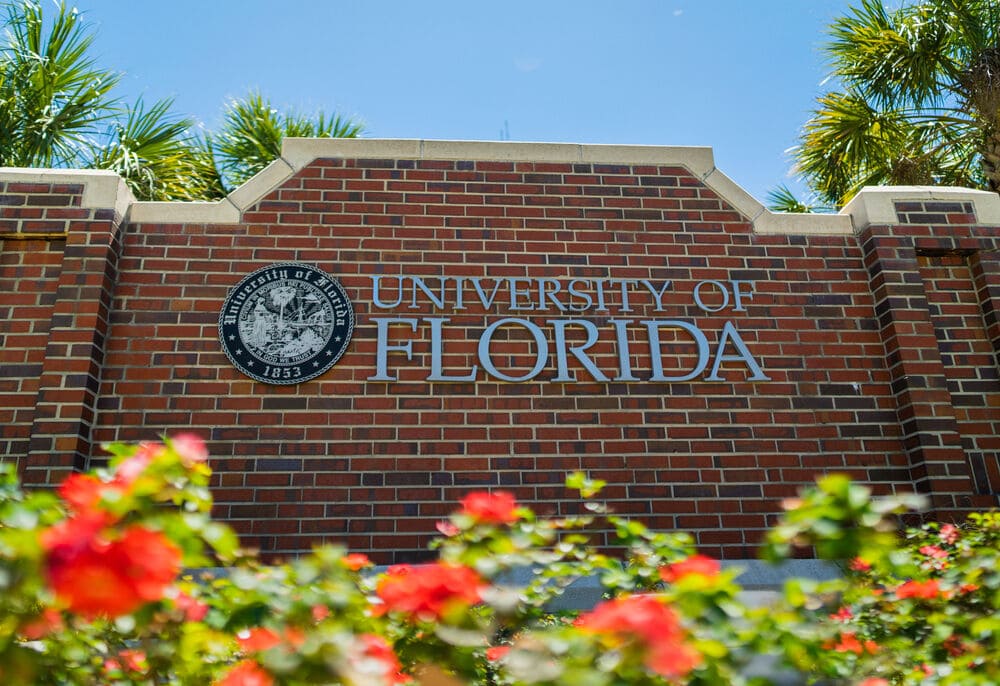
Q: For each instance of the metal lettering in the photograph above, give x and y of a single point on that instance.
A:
(562, 365)
(729, 332)
(437, 345)
(701, 304)
(486, 360)
(654, 326)
(382, 345)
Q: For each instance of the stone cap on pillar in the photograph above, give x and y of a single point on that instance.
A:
(882, 204)
(101, 189)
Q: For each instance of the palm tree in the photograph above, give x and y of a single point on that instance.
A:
(919, 100)
(158, 156)
(53, 98)
(57, 110)
(251, 134)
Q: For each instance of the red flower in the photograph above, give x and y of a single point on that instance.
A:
(82, 492)
(672, 658)
(646, 622)
(246, 673)
(320, 612)
(256, 639)
(428, 592)
(844, 614)
(849, 643)
(134, 660)
(948, 534)
(356, 561)
(132, 467)
(859, 565)
(954, 645)
(696, 564)
(874, 681)
(190, 448)
(44, 624)
(103, 573)
(919, 589)
(496, 507)
(194, 610)
(447, 528)
(933, 552)
(496, 653)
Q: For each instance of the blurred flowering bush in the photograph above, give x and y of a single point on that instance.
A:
(94, 591)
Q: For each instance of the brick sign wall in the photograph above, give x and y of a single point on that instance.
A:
(520, 311)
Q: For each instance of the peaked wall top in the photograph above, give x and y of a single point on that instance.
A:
(872, 205)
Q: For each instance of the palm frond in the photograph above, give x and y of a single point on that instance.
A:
(156, 154)
(782, 199)
(893, 58)
(252, 131)
(53, 95)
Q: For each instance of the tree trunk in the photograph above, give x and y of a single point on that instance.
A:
(991, 159)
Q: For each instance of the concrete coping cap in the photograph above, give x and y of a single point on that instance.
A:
(873, 205)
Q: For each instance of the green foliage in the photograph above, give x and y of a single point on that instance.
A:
(53, 96)
(921, 609)
(250, 137)
(58, 109)
(916, 101)
(840, 520)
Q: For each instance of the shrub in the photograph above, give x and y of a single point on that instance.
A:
(94, 592)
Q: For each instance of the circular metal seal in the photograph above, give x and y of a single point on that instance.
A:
(286, 323)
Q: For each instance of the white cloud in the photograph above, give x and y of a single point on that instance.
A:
(527, 63)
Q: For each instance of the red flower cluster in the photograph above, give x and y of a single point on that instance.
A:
(96, 568)
(948, 534)
(860, 565)
(128, 660)
(99, 571)
(696, 564)
(648, 624)
(84, 492)
(194, 610)
(355, 561)
(497, 653)
(428, 592)
(246, 673)
(849, 643)
(937, 557)
(260, 638)
(257, 639)
(47, 622)
(924, 590)
(844, 614)
(496, 507)
(934, 552)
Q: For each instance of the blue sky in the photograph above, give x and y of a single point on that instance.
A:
(737, 75)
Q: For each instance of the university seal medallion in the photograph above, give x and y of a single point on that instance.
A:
(286, 323)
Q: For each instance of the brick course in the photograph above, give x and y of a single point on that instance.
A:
(880, 346)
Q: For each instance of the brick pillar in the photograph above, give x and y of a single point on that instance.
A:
(930, 433)
(985, 267)
(893, 239)
(86, 209)
(986, 274)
